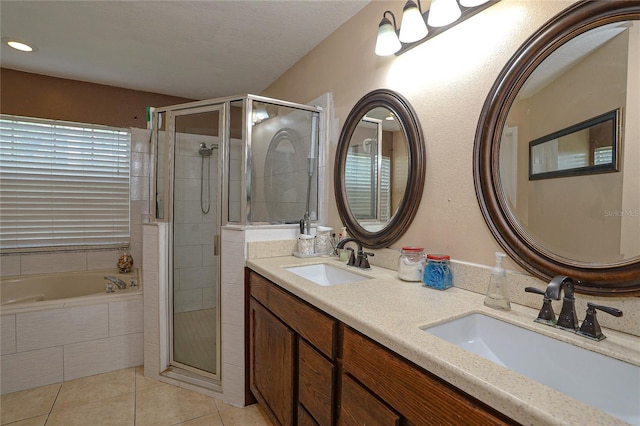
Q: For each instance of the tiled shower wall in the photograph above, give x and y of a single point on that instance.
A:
(195, 266)
(42, 263)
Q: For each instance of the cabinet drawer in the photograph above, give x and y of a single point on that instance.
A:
(304, 418)
(418, 396)
(315, 383)
(359, 407)
(310, 323)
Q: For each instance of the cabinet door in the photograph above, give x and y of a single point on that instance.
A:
(315, 383)
(359, 407)
(272, 360)
(419, 396)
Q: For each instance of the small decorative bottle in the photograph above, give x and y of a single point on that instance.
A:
(125, 260)
(498, 294)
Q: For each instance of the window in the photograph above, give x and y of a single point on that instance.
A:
(361, 182)
(62, 185)
(603, 155)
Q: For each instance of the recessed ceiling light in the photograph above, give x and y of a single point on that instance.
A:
(18, 44)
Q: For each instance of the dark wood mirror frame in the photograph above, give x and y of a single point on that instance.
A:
(607, 279)
(412, 130)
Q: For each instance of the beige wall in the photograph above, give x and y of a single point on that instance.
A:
(446, 79)
(630, 229)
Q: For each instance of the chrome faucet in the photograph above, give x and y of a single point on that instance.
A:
(359, 260)
(117, 281)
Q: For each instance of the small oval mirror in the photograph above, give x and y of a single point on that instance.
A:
(380, 167)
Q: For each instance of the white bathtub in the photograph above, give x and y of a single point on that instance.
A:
(23, 291)
(62, 326)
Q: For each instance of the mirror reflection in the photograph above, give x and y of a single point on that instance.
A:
(585, 148)
(588, 219)
(376, 169)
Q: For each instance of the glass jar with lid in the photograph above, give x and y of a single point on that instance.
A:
(437, 272)
(411, 263)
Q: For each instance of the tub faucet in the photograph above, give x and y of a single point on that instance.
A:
(567, 318)
(117, 281)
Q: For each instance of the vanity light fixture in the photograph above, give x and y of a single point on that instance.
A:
(387, 42)
(19, 44)
(443, 12)
(418, 27)
(413, 26)
(472, 3)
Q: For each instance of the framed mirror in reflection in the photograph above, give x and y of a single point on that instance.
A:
(379, 169)
(546, 117)
(585, 148)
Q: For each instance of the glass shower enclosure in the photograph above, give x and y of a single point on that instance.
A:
(232, 162)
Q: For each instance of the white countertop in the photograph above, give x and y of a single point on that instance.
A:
(392, 312)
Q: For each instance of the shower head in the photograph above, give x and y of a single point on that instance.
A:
(204, 151)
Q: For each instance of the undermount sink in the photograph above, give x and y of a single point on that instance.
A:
(326, 275)
(603, 382)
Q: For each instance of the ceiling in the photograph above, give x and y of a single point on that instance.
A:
(191, 49)
(568, 55)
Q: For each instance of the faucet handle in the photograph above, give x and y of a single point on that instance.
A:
(546, 314)
(364, 260)
(590, 327)
(352, 257)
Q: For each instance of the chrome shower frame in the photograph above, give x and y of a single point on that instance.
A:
(212, 382)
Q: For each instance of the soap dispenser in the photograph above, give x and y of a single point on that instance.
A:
(498, 294)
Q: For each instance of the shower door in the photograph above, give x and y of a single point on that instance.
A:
(195, 283)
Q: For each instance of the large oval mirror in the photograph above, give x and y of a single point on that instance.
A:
(379, 169)
(557, 150)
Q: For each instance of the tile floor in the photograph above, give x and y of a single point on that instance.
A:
(123, 397)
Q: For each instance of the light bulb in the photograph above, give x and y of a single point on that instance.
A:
(472, 3)
(443, 12)
(387, 42)
(413, 27)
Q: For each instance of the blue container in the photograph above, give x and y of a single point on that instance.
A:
(437, 273)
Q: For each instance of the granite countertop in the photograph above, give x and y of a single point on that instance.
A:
(392, 312)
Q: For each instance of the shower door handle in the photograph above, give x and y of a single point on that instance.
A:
(216, 245)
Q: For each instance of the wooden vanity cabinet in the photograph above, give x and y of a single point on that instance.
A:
(360, 407)
(307, 368)
(271, 372)
(292, 353)
(417, 395)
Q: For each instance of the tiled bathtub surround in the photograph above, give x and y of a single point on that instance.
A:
(60, 344)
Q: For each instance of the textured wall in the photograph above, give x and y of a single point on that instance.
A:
(447, 80)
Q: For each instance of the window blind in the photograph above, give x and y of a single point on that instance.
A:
(603, 155)
(360, 185)
(62, 184)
